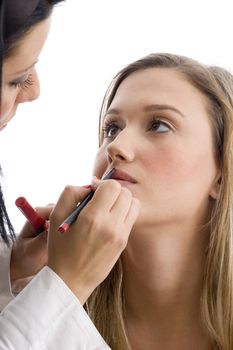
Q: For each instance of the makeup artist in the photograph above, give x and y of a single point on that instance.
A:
(48, 312)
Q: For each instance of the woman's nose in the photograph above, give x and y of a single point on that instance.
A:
(121, 148)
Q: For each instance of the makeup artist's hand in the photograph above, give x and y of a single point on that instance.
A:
(29, 253)
(84, 256)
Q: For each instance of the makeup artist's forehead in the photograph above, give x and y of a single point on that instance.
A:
(27, 50)
(159, 86)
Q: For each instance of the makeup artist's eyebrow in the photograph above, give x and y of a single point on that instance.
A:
(23, 71)
(161, 107)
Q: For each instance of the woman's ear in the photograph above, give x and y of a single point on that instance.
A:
(215, 190)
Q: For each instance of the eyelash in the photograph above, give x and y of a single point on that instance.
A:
(113, 124)
(107, 127)
(23, 84)
(160, 122)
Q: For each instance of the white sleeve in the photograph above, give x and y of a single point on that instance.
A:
(46, 315)
(5, 287)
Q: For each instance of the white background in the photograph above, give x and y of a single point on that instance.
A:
(52, 141)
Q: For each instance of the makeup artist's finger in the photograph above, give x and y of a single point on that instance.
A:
(28, 230)
(38, 247)
(121, 206)
(105, 196)
(95, 182)
(67, 202)
(45, 211)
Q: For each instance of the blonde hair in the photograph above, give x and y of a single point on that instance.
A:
(106, 304)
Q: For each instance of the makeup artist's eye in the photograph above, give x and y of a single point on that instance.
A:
(159, 126)
(22, 83)
(110, 130)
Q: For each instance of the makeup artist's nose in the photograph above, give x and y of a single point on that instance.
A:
(31, 92)
(121, 148)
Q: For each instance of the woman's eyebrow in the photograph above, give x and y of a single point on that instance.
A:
(149, 108)
(160, 107)
(112, 111)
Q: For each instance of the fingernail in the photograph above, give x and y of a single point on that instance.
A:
(95, 180)
(87, 186)
(46, 227)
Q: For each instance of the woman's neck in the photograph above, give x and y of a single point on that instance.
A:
(163, 274)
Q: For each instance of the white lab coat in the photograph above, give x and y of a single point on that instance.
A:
(46, 315)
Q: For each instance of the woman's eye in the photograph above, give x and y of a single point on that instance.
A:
(111, 130)
(159, 126)
(22, 83)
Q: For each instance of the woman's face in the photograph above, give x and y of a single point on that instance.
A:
(158, 132)
(20, 82)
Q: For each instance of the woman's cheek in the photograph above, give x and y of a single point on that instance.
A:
(100, 163)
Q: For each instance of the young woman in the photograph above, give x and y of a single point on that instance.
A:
(167, 128)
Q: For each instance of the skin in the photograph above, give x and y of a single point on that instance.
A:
(171, 157)
(20, 84)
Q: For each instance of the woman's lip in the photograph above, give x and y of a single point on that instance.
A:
(121, 175)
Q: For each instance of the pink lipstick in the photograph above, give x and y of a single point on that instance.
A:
(122, 176)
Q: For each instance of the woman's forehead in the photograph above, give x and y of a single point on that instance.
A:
(156, 86)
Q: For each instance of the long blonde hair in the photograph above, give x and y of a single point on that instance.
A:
(106, 304)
